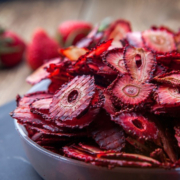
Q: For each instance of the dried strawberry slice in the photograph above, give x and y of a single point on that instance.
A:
(73, 53)
(41, 106)
(137, 125)
(140, 63)
(135, 39)
(160, 69)
(114, 59)
(55, 85)
(87, 116)
(159, 155)
(98, 50)
(118, 29)
(41, 73)
(108, 105)
(167, 96)
(138, 145)
(73, 98)
(130, 91)
(168, 58)
(81, 155)
(115, 155)
(171, 78)
(160, 41)
(30, 97)
(107, 135)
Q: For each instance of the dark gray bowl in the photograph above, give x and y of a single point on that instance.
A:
(51, 166)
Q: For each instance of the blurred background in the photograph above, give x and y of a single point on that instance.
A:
(22, 17)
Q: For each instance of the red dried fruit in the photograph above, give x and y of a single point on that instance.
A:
(73, 53)
(107, 134)
(160, 69)
(140, 63)
(159, 40)
(138, 145)
(72, 99)
(92, 149)
(87, 116)
(130, 91)
(108, 105)
(168, 58)
(171, 78)
(159, 155)
(114, 59)
(55, 85)
(167, 96)
(118, 29)
(41, 73)
(135, 39)
(81, 155)
(30, 97)
(137, 125)
(41, 106)
(98, 50)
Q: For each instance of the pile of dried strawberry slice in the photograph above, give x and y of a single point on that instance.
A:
(114, 99)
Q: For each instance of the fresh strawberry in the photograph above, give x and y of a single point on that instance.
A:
(41, 48)
(70, 32)
(11, 48)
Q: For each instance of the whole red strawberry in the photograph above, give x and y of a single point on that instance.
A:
(11, 48)
(41, 48)
(70, 32)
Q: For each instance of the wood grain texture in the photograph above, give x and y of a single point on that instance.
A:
(24, 16)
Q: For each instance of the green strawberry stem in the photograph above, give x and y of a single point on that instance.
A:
(104, 24)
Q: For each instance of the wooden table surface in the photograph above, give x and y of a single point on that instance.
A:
(24, 16)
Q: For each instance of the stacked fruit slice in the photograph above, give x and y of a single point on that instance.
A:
(114, 99)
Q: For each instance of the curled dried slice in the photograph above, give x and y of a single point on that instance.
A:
(73, 53)
(130, 91)
(137, 125)
(30, 97)
(41, 106)
(96, 51)
(108, 104)
(167, 96)
(135, 39)
(114, 59)
(159, 40)
(107, 135)
(41, 73)
(118, 29)
(73, 98)
(81, 155)
(140, 63)
(171, 78)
